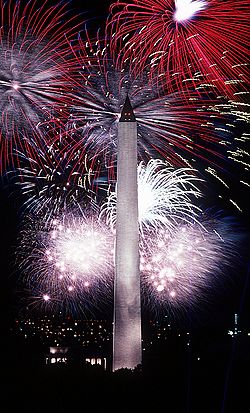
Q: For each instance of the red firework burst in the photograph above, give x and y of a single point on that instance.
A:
(208, 36)
(34, 79)
(179, 127)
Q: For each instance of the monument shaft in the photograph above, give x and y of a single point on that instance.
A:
(127, 302)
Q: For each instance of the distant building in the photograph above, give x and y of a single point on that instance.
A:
(67, 340)
(102, 361)
(57, 355)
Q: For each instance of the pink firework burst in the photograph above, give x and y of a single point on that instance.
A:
(179, 269)
(208, 36)
(34, 79)
(68, 260)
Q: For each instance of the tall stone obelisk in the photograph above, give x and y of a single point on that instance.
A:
(127, 351)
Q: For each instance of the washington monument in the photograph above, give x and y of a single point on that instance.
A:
(127, 351)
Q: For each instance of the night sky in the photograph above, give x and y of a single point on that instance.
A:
(232, 295)
(95, 13)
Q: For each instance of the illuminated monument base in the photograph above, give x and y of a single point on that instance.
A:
(127, 352)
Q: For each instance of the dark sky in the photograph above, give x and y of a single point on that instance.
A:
(94, 11)
(234, 297)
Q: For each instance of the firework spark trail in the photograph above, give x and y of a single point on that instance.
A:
(67, 260)
(180, 128)
(187, 130)
(53, 189)
(34, 80)
(164, 197)
(172, 35)
(70, 263)
(181, 268)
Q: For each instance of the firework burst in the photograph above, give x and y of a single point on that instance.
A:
(179, 128)
(164, 197)
(34, 80)
(67, 260)
(181, 268)
(55, 188)
(69, 263)
(170, 35)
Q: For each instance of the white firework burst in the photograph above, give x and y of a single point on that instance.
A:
(165, 196)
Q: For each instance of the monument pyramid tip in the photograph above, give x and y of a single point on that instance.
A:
(127, 113)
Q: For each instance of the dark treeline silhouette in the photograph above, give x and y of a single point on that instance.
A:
(216, 383)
